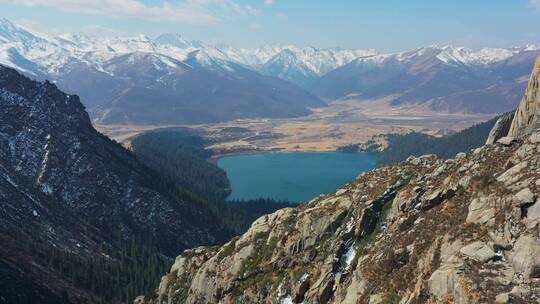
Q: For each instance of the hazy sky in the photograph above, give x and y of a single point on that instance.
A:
(386, 25)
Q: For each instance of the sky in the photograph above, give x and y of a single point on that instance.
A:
(384, 25)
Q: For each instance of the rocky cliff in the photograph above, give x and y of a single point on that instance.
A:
(527, 114)
(464, 230)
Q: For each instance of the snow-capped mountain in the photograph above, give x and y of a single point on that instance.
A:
(328, 73)
(139, 80)
(274, 60)
(444, 78)
(52, 52)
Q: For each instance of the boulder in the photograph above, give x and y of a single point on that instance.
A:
(533, 215)
(525, 257)
(445, 284)
(501, 128)
(480, 211)
(502, 298)
(432, 199)
(478, 251)
(512, 174)
(404, 200)
(519, 292)
(436, 197)
(506, 141)
(524, 197)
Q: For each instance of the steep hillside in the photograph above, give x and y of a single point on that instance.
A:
(68, 191)
(400, 146)
(462, 230)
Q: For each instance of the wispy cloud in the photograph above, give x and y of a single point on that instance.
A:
(194, 12)
(268, 2)
(35, 27)
(535, 4)
(282, 16)
(255, 26)
(94, 30)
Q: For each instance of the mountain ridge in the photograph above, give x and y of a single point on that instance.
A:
(319, 61)
(68, 192)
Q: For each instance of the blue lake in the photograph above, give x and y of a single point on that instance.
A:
(296, 177)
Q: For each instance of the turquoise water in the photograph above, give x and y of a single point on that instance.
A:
(296, 177)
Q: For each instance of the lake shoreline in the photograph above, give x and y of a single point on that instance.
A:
(295, 176)
(214, 159)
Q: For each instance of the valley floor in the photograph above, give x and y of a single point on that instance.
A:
(342, 123)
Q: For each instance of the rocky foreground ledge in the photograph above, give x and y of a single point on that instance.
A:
(464, 230)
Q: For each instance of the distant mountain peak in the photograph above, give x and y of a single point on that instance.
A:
(172, 39)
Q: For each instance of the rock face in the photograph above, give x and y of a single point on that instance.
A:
(501, 128)
(423, 231)
(64, 185)
(527, 114)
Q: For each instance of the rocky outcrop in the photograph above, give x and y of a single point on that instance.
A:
(501, 128)
(527, 115)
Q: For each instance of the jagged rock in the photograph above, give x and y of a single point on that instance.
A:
(445, 283)
(432, 199)
(301, 289)
(512, 175)
(479, 251)
(525, 150)
(525, 196)
(501, 128)
(525, 257)
(435, 198)
(526, 116)
(506, 141)
(327, 291)
(480, 211)
(403, 201)
(499, 243)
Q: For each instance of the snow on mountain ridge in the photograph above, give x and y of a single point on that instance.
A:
(52, 53)
(449, 55)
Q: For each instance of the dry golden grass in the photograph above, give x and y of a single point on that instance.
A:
(343, 122)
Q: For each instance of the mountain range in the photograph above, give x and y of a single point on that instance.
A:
(171, 80)
(137, 80)
(443, 79)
